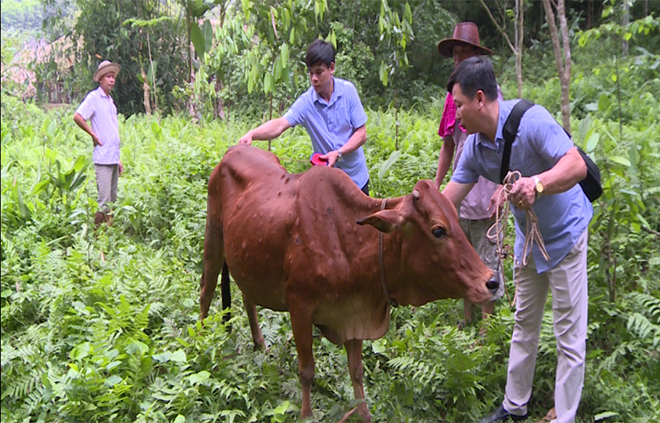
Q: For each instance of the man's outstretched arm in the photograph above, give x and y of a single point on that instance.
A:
(267, 131)
(456, 192)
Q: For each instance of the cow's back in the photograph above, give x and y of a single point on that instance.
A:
(255, 208)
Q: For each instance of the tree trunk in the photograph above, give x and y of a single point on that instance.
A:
(192, 100)
(146, 90)
(396, 120)
(270, 115)
(189, 45)
(519, 44)
(219, 104)
(153, 74)
(562, 57)
(625, 21)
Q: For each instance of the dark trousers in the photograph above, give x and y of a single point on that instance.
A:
(365, 188)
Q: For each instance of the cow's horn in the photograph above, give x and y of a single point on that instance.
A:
(415, 194)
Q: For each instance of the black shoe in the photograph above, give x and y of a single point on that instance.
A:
(501, 415)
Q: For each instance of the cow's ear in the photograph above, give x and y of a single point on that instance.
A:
(385, 220)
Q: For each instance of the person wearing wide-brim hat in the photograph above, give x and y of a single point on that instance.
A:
(99, 108)
(474, 215)
(465, 34)
(105, 67)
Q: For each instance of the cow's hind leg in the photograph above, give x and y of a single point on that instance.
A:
(253, 317)
(214, 260)
(301, 323)
(356, 370)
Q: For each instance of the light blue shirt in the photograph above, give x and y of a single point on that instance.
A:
(539, 145)
(100, 109)
(331, 124)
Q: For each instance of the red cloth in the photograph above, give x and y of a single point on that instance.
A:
(448, 120)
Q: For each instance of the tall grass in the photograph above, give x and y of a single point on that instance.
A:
(102, 325)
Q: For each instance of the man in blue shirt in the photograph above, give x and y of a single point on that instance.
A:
(331, 112)
(551, 168)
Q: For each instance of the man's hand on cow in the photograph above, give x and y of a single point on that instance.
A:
(523, 193)
(246, 139)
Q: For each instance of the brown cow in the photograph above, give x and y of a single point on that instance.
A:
(306, 244)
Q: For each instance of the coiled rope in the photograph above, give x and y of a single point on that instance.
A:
(497, 231)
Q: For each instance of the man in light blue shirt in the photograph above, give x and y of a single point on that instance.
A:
(551, 168)
(331, 112)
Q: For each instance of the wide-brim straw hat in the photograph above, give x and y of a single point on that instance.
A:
(105, 67)
(466, 33)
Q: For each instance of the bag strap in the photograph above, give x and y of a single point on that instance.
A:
(509, 133)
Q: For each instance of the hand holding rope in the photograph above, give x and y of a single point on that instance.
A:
(532, 233)
(497, 231)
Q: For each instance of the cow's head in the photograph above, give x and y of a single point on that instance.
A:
(436, 258)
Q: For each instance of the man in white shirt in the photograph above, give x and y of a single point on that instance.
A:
(99, 108)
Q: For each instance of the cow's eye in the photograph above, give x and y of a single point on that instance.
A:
(439, 232)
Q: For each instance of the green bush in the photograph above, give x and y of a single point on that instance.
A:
(102, 325)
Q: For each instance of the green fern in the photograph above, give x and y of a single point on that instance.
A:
(649, 303)
(24, 384)
(638, 323)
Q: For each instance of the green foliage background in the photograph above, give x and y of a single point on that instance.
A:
(102, 326)
(23, 15)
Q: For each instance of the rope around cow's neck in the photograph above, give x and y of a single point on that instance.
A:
(497, 231)
(390, 301)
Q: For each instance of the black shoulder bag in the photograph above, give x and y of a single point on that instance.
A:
(590, 184)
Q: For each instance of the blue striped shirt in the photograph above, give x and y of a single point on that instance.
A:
(331, 124)
(538, 146)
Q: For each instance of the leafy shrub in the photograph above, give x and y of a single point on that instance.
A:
(102, 325)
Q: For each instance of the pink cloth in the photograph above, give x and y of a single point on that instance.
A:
(448, 120)
(475, 205)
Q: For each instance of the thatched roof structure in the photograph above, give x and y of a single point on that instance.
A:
(20, 71)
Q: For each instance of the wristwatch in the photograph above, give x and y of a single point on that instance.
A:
(339, 155)
(538, 186)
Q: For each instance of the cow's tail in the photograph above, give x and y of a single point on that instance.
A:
(226, 291)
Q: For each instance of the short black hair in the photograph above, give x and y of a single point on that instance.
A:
(320, 51)
(474, 74)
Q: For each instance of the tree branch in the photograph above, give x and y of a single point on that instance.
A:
(513, 49)
(563, 25)
(550, 18)
(562, 58)
(651, 231)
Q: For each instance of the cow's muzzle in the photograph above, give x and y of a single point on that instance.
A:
(493, 285)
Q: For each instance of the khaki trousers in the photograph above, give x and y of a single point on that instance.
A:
(106, 184)
(568, 282)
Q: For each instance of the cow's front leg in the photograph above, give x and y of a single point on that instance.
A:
(356, 370)
(301, 323)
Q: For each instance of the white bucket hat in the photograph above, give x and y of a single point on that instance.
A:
(105, 67)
